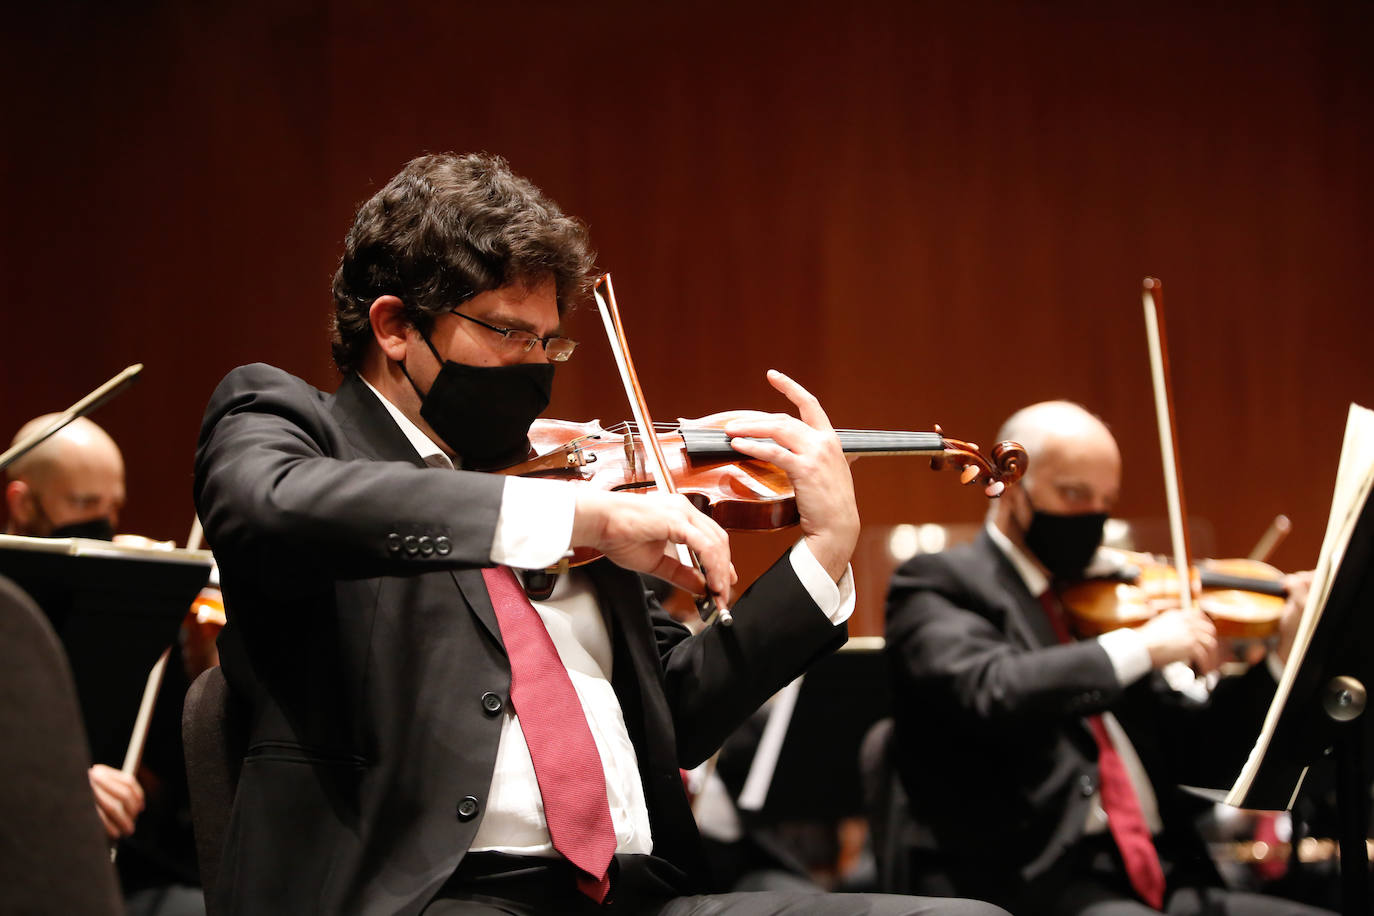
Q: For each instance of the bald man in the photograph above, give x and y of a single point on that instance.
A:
(1008, 729)
(72, 485)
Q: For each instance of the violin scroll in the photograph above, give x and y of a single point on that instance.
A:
(1007, 465)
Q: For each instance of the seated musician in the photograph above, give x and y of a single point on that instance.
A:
(425, 735)
(1057, 791)
(72, 485)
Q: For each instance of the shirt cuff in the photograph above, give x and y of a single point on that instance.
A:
(534, 527)
(1271, 661)
(1129, 655)
(835, 599)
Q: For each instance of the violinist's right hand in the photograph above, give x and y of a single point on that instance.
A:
(1182, 636)
(118, 799)
(1298, 585)
(639, 531)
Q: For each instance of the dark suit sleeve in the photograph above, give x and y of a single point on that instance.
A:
(276, 491)
(716, 679)
(949, 640)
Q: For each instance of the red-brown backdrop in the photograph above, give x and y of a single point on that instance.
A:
(925, 212)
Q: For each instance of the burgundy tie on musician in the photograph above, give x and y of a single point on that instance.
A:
(1124, 817)
(566, 763)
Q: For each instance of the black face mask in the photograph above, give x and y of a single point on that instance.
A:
(97, 529)
(484, 412)
(1064, 544)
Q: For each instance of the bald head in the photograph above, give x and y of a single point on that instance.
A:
(1075, 466)
(74, 476)
(1056, 433)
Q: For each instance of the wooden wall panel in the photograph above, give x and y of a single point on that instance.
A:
(926, 212)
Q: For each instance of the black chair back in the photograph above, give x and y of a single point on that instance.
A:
(54, 857)
(213, 731)
(885, 804)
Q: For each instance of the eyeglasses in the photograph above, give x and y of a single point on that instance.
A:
(556, 348)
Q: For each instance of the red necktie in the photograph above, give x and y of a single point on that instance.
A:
(567, 766)
(1124, 817)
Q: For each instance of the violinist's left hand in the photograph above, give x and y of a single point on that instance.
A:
(808, 450)
(1298, 585)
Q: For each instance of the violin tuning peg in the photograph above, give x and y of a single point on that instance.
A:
(994, 489)
(969, 474)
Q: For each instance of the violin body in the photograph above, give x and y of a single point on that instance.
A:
(1244, 598)
(738, 492)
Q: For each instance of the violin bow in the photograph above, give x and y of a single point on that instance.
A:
(138, 737)
(1152, 296)
(90, 402)
(653, 451)
(1273, 536)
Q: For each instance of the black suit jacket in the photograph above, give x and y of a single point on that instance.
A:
(362, 639)
(990, 740)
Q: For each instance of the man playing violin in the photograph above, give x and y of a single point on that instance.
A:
(1062, 758)
(425, 735)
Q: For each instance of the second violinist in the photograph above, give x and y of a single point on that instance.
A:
(1058, 792)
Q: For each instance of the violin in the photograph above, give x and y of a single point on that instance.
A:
(738, 492)
(645, 462)
(1243, 597)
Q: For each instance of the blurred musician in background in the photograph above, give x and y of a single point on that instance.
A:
(1059, 760)
(72, 485)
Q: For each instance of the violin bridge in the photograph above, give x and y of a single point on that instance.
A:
(630, 459)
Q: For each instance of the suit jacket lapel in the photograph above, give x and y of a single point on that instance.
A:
(1027, 622)
(370, 427)
(474, 589)
(622, 597)
(635, 661)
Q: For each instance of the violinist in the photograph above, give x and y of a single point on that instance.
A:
(72, 485)
(430, 731)
(1057, 791)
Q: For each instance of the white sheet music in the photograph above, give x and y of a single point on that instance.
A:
(1354, 477)
(87, 547)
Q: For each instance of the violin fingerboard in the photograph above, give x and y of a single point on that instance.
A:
(713, 444)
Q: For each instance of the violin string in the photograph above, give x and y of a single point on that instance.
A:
(877, 438)
(660, 425)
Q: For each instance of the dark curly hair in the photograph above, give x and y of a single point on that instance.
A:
(443, 230)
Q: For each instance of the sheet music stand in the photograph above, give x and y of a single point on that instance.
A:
(816, 774)
(1324, 713)
(115, 608)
